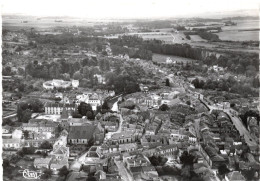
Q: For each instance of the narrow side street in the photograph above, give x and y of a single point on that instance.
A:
(123, 171)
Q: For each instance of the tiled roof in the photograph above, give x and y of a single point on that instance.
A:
(42, 160)
(125, 134)
(148, 168)
(136, 169)
(51, 104)
(11, 141)
(235, 176)
(59, 163)
(81, 132)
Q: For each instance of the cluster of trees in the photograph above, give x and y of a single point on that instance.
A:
(26, 108)
(164, 107)
(157, 46)
(8, 121)
(26, 151)
(132, 52)
(187, 171)
(85, 109)
(203, 33)
(46, 145)
(156, 24)
(223, 170)
(66, 69)
(231, 85)
(66, 38)
(158, 160)
(110, 29)
(246, 63)
(18, 86)
(248, 114)
(122, 83)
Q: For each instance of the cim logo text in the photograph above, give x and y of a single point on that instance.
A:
(31, 174)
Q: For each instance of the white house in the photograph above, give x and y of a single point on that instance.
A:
(75, 83)
(100, 78)
(11, 143)
(17, 134)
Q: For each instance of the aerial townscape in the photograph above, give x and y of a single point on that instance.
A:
(172, 99)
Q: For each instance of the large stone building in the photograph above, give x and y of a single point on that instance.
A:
(56, 108)
(55, 83)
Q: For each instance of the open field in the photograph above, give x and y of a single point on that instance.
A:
(44, 23)
(236, 35)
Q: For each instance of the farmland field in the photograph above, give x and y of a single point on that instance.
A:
(162, 58)
(239, 35)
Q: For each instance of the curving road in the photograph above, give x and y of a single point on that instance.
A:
(238, 124)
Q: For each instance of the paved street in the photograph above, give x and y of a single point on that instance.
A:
(197, 128)
(123, 171)
(121, 120)
(238, 124)
(242, 129)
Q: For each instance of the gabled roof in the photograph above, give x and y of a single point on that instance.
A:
(40, 161)
(81, 132)
(61, 150)
(136, 169)
(236, 176)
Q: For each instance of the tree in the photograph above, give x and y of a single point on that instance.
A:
(249, 174)
(222, 169)
(26, 151)
(84, 62)
(91, 178)
(7, 71)
(6, 163)
(46, 145)
(77, 76)
(27, 115)
(187, 159)
(105, 106)
(47, 173)
(256, 82)
(7, 121)
(35, 105)
(90, 115)
(66, 76)
(83, 108)
(63, 171)
(26, 134)
(107, 66)
(167, 82)
(158, 161)
(59, 129)
(164, 107)
(102, 65)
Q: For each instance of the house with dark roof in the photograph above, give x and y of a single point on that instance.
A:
(42, 162)
(82, 134)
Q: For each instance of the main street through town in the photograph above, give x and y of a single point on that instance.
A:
(123, 171)
(121, 120)
(237, 122)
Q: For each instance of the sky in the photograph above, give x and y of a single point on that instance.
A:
(123, 8)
